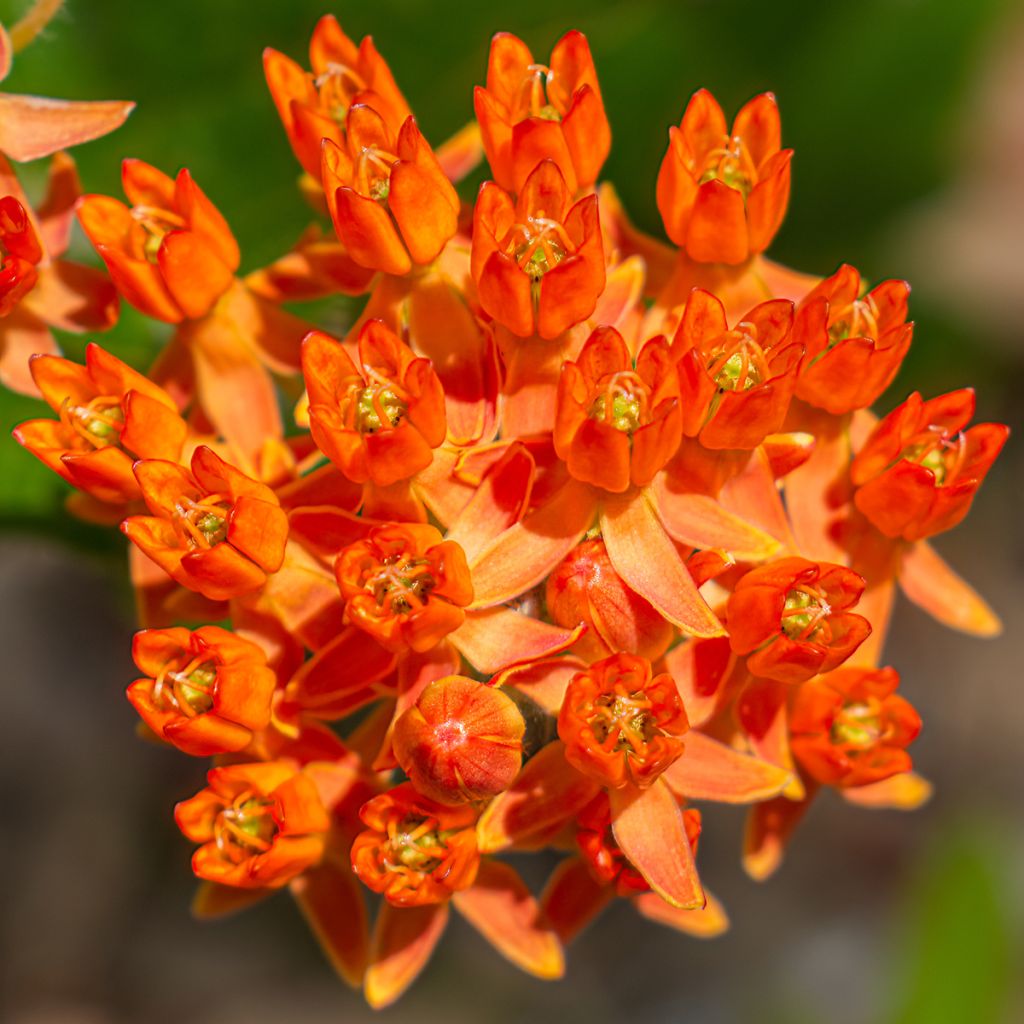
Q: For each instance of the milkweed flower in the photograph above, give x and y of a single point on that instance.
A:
(618, 421)
(390, 202)
(792, 620)
(461, 741)
(313, 105)
(621, 724)
(110, 415)
(850, 728)
(918, 472)
(529, 112)
(377, 421)
(854, 340)
(260, 825)
(737, 383)
(212, 529)
(404, 585)
(415, 851)
(206, 691)
(722, 193)
(538, 262)
(171, 254)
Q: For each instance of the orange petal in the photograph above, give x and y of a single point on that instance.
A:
(368, 233)
(403, 940)
(717, 231)
(504, 911)
(701, 522)
(195, 275)
(709, 770)
(904, 792)
(647, 560)
(932, 585)
(768, 830)
(32, 126)
(492, 639)
(548, 791)
(331, 900)
(215, 901)
(648, 826)
(573, 898)
(704, 923)
(524, 554)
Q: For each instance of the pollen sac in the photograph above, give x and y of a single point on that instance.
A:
(792, 620)
(171, 254)
(586, 588)
(462, 741)
(315, 105)
(109, 416)
(736, 384)
(260, 825)
(206, 692)
(415, 851)
(918, 472)
(404, 585)
(854, 340)
(620, 725)
(618, 422)
(530, 112)
(379, 420)
(722, 193)
(538, 262)
(213, 529)
(850, 728)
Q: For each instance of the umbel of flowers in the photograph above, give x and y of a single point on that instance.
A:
(574, 530)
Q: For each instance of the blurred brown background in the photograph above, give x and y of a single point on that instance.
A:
(908, 121)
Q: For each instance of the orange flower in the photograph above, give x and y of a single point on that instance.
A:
(213, 529)
(109, 416)
(529, 112)
(461, 741)
(850, 727)
(538, 263)
(736, 384)
(603, 855)
(722, 195)
(415, 851)
(854, 342)
(171, 254)
(206, 692)
(620, 726)
(618, 423)
(389, 199)
(404, 585)
(918, 472)
(586, 588)
(378, 421)
(791, 618)
(261, 825)
(39, 289)
(314, 106)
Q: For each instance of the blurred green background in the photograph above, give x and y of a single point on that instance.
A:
(907, 117)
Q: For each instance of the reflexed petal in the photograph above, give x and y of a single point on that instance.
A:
(709, 770)
(403, 941)
(573, 898)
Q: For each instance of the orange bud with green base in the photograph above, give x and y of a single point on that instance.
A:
(206, 691)
(462, 741)
(261, 825)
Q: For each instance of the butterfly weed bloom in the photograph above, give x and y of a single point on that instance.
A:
(568, 534)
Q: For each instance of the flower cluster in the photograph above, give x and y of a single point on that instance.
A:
(571, 532)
